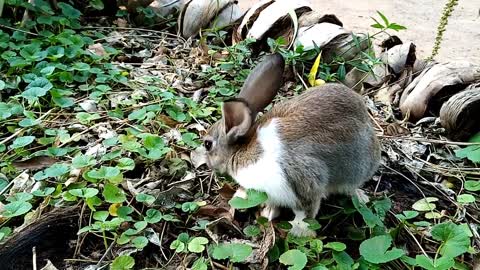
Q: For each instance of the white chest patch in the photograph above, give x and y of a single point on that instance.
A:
(266, 174)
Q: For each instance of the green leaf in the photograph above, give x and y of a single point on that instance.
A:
(84, 192)
(253, 199)
(123, 262)
(97, 4)
(22, 141)
(69, 11)
(425, 204)
(126, 164)
(15, 209)
(368, 216)
(465, 199)
(113, 194)
(235, 252)
(124, 211)
(190, 139)
(20, 197)
(56, 170)
(433, 215)
(111, 155)
(251, 231)
(200, 264)
(471, 185)
(442, 263)
(63, 102)
(109, 173)
(145, 198)
(197, 244)
(455, 238)
(312, 224)
(55, 52)
(40, 82)
(471, 152)
(153, 216)
(316, 245)
(178, 246)
(123, 239)
(385, 20)
(34, 93)
(83, 161)
(27, 122)
(396, 27)
(138, 114)
(140, 242)
(407, 215)
(189, 207)
(4, 232)
(375, 250)
(43, 192)
(337, 246)
(48, 70)
(343, 260)
(295, 258)
(85, 118)
(101, 215)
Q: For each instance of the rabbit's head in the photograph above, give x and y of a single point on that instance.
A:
(236, 128)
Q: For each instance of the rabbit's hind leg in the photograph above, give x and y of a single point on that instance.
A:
(299, 226)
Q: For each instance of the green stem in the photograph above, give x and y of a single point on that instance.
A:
(447, 12)
(2, 3)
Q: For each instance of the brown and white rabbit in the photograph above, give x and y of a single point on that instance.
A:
(317, 143)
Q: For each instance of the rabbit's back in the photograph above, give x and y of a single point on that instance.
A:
(327, 139)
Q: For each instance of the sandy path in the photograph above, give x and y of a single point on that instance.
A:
(421, 17)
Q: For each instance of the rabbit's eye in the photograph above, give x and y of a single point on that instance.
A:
(208, 145)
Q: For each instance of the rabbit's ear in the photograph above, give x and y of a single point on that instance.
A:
(262, 84)
(237, 120)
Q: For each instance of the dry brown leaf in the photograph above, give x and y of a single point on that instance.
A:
(226, 191)
(97, 49)
(214, 211)
(34, 163)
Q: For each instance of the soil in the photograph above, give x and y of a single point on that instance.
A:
(461, 39)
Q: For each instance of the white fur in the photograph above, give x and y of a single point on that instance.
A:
(266, 174)
(300, 227)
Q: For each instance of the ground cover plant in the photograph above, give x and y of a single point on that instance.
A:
(100, 138)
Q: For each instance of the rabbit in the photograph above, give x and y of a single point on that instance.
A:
(305, 148)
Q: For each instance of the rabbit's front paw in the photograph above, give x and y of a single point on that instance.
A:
(270, 212)
(300, 227)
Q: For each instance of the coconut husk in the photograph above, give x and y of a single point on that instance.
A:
(347, 47)
(459, 115)
(436, 83)
(166, 7)
(358, 79)
(268, 20)
(319, 35)
(197, 14)
(250, 16)
(390, 42)
(400, 57)
(313, 17)
(227, 16)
